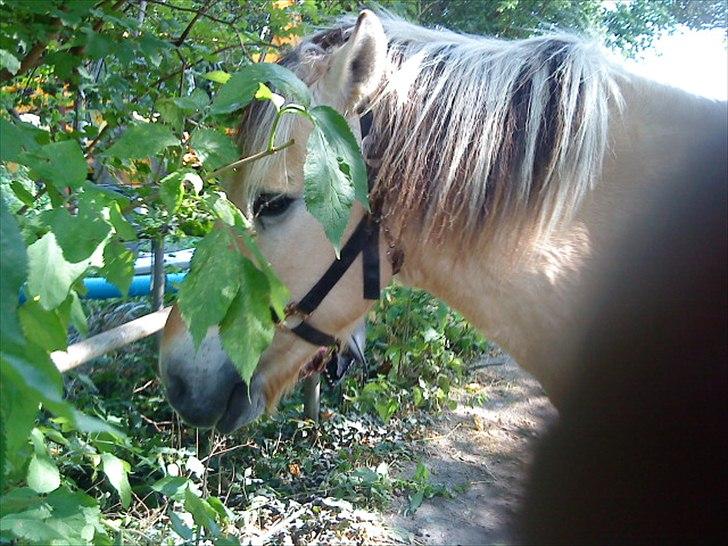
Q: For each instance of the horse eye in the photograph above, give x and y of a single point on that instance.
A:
(271, 204)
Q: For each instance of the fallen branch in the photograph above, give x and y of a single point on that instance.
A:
(102, 343)
(279, 526)
(489, 363)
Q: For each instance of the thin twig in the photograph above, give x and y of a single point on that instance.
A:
(189, 10)
(155, 424)
(95, 141)
(175, 72)
(182, 37)
(224, 451)
(253, 157)
(140, 389)
(41, 192)
(280, 526)
(206, 15)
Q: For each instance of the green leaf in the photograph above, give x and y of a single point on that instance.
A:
(86, 423)
(194, 102)
(9, 61)
(76, 516)
(171, 191)
(334, 172)
(227, 540)
(179, 527)
(203, 514)
(18, 407)
(43, 475)
(343, 144)
(211, 284)
(63, 517)
(14, 267)
(42, 327)
(19, 499)
(415, 500)
(118, 266)
(50, 275)
(142, 141)
(80, 235)
(242, 86)
(59, 163)
(77, 316)
(98, 45)
(30, 526)
(30, 369)
(152, 47)
(226, 211)
(123, 228)
(63, 63)
(16, 138)
(217, 76)
(328, 194)
(279, 293)
(248, 328)
(170, 112)
(21, 193)
(172, 487)
(223, 511)
(116, 471)
(214, 148)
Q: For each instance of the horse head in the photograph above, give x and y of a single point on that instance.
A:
(342, 69)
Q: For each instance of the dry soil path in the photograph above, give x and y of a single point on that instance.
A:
(485, 445)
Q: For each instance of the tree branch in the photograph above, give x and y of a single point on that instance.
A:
(34, 56)
(189, 10)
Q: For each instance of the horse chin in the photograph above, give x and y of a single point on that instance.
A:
(244, 406)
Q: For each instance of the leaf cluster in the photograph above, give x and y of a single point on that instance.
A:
(117, 120)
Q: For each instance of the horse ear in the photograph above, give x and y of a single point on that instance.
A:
(357, 67)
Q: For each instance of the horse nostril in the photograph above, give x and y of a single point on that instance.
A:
(176, 389)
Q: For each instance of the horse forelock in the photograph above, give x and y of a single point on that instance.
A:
(472, 136)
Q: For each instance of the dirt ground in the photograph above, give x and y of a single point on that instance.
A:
(482, 447)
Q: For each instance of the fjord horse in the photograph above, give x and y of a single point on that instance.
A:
(501, 172)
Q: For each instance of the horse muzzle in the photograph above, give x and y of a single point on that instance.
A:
(206, 398)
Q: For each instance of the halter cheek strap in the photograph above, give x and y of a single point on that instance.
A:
(365, 240)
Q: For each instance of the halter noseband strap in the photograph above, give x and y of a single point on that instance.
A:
(365, 240)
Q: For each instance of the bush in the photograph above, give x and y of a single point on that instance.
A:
(417, 348)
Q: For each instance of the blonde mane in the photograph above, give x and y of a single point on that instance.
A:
(472, 135)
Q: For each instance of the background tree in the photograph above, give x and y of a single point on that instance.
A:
(629, 26)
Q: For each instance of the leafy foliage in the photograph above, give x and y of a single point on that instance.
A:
(124, 144)
(419, 348)
(116, 124)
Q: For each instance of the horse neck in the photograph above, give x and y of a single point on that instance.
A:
(523, 304)
(531, 305)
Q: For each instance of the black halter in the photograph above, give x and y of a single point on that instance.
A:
(364, 240)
